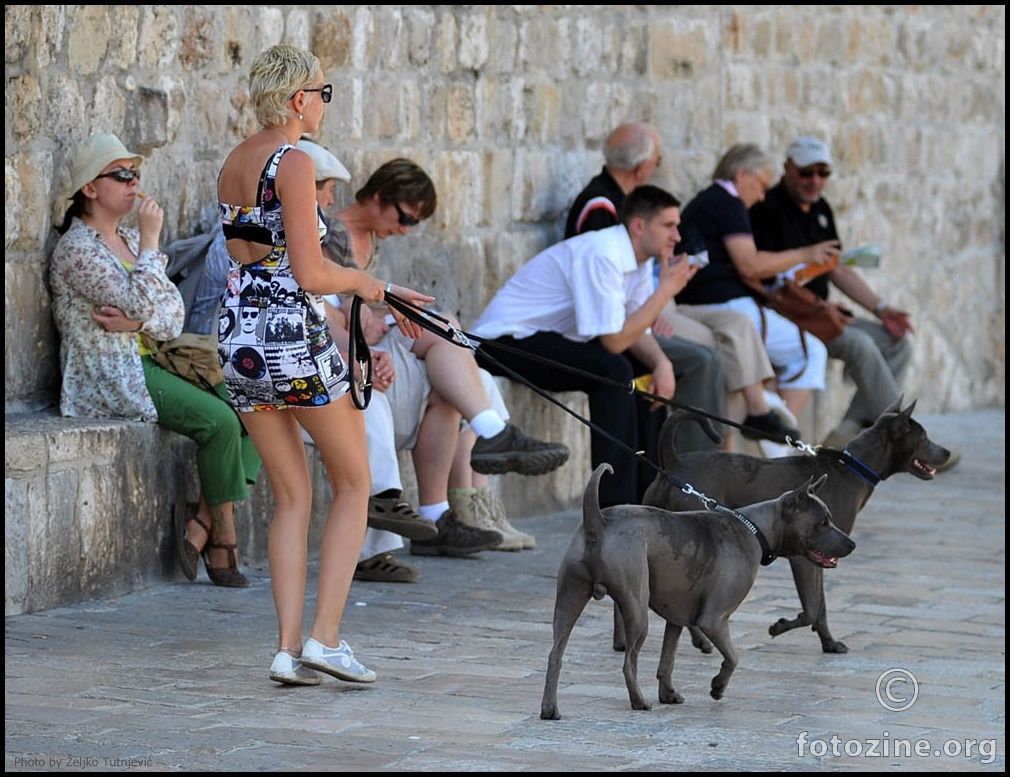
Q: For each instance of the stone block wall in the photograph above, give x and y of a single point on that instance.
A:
(507, 107)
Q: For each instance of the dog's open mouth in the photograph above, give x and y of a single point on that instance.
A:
(922, 470)
(821, 560)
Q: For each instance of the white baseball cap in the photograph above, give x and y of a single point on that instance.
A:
(327, 165)
(807, 150)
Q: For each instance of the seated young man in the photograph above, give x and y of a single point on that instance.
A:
(588, 302)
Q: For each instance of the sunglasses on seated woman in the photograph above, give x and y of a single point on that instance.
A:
(122, 175)
(405, 218)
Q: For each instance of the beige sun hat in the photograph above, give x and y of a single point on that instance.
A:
(92, 155)
(327, 165)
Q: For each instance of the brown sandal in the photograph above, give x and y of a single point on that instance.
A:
(189, 556)
(385, 568)
(228, 576)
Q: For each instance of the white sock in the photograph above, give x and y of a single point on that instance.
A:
(433, 512)
(487, 423)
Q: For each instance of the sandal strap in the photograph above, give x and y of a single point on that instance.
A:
(196, 517)
(231, 547)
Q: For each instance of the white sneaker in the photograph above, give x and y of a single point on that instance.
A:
(288, 670)
(337, 662)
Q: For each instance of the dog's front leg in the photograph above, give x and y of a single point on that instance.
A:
(809, 579)
(719, 634)
(671, 636)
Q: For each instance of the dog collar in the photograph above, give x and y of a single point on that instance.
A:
(767, 557)
(859, 468)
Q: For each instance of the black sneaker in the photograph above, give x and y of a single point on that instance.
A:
(455, 538)
(512, 451)
(767, 426)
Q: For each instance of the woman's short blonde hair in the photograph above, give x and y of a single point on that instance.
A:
(275, 76)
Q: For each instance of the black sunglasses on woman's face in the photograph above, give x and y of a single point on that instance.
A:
(406, 220)
(122, 175)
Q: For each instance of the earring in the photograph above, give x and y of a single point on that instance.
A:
(300, 117)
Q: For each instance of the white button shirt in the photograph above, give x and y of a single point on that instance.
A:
(581, 288)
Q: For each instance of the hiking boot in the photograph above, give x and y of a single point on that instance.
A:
(469, 509)
(455, 539)
(768, 426)
(499, 518)
(513, 451)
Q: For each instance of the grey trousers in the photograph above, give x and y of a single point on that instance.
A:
(875, 362)
(700, 384)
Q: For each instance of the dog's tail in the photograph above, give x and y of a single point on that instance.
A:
(668, 458)
(593, 526)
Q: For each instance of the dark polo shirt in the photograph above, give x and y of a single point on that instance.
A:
(780, 224)
(715, 214)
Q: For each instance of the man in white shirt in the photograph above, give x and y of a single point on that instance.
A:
(588, 303)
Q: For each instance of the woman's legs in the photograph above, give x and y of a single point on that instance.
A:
(338, 430)
(278, 439)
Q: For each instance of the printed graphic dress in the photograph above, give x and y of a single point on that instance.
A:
(274, 344)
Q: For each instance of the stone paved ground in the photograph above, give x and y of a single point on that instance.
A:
(175, 677)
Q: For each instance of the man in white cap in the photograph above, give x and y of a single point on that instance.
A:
(876, 354)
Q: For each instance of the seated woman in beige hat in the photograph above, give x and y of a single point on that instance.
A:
(109, 286)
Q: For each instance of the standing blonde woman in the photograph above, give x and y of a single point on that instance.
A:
(283, 370)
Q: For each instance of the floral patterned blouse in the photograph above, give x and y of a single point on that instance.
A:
(102, 373)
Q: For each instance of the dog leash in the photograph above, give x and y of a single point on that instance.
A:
(447, 331)
(767, 557)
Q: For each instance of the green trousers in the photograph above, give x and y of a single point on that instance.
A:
(226, 458)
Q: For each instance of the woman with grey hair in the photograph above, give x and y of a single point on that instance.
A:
(282, 369)
(719, 215)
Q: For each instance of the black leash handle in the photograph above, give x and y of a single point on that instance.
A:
(359, 356)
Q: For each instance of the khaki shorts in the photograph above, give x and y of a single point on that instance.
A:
(408, 393)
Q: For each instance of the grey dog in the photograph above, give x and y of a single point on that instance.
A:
(895, 443)
(690, 568)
